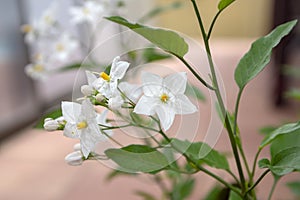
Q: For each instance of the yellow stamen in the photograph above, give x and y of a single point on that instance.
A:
(86, 11)
(164, 98)
(48, 19)
(105, 76)
(26, 28)
(81, 125)
(60, 47)
(38, 68)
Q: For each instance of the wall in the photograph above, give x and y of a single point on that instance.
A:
(244, 18)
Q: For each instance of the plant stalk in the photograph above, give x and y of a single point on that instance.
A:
(219, 97)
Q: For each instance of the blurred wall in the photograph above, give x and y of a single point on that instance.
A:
(244, 18)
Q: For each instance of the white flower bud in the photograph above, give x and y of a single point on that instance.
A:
(100, 97)
(77, 147)
(50, 124)
(87, 90)
(75, 158)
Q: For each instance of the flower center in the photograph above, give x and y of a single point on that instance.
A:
(38, 68)
(48, 19)
(105, 76)
(85, 11)
(60, 47)
(27, 28)
(82, 125)
(164, 98)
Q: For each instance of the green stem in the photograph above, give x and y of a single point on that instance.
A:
(257, 182)
(195, 73)
(111, 138)
(237, 135)
(254, 164)
(234, 177)
(212, 24)
(276, 179)
(220, 100)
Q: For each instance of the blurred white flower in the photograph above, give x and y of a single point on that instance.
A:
(75, 158)
(64, 47)
(31, 32)
(106, 84)
(90, 11)
(164, 97)
(38, 69)
(82, 123)
(46, 23)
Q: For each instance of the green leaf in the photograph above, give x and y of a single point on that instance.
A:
(151, 55)
(183, 189)
(116, 173)
(284, 162)
(295, 187)
(203, 153)
(293, 93)
(52, 114)
(217, 193)
(234, 196)
(285, 129)
(224, 4)
(285, 141)
(259, 54)
(75, 66)
(193, 91)
(138, 158)
(167, 40)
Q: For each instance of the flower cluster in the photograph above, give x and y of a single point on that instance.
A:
(54, 45)
(157, 97)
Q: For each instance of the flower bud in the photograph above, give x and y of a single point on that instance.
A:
(75, 158)
(100, 97)
(87, 90)
(50, 124)
(77, 147)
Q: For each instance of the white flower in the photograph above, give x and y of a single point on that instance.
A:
(82, 123)
(48, 20)
(164, 97)
(75, 158)
(90, 12)
(31, 32)
(107, 84)
(89, 90)
(64, 47)
(38, 69)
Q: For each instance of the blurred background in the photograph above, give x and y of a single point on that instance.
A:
(31, 161)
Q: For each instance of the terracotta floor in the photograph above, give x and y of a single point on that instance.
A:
(32, 163)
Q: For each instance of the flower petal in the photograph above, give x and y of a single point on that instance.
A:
(89, 138)
(90, 77)
(87, 110)
(166, 116)
(146, 105)
(71, 131)
(183, 105)
(70, 110)
(132, 91)
(118, 69)
(152, 84)
(176, 83)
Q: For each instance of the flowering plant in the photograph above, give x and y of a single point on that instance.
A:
(151, 107)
